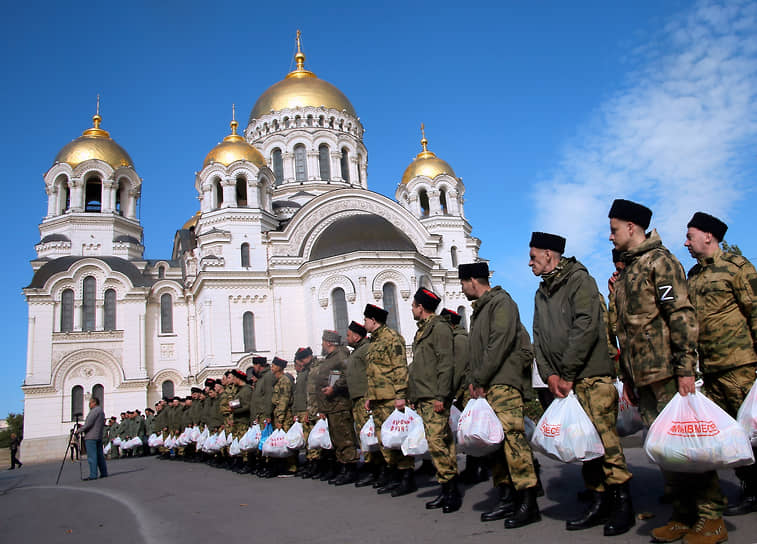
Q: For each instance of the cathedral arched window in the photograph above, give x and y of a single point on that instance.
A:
(241, 192)
(390, 305)
(167, 389)
(77, 402)
(67, 311)
(300, 163)
(166, 313)
(98, 392)
(453, 254)
(324, 162)
(88, 304)
(245, 251)
(109, 310)
(339, 306)
(93, 194)
(122, 196)
(443, 201)
(248, 331)
(162, 269)
(463, 318)
(64, 194)
(423, 200)
(345, 164)
(217, 193)
(278, 166)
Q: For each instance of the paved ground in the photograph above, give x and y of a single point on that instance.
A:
(152, 501)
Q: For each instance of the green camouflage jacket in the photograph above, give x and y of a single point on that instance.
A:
(261, 397)
(310, 388)
(331, 372)
(656, 323)
(354, 371)
(300, 395)
(281, 400)
(431, 372)
(241, 413)
(213, 416)
(386, 370)
(723, 290)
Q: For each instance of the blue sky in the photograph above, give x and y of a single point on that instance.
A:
(547, 111)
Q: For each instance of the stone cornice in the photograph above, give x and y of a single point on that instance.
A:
(78, 337)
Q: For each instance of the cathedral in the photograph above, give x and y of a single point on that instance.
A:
(289, 240)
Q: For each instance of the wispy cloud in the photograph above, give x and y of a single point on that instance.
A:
(674, 136)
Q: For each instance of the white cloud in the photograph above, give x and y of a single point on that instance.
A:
(674, 137)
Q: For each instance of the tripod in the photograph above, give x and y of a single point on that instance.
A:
(68, 447)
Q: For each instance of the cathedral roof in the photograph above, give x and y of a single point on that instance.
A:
(62, 264)
(426, 163)
(94, 143)
(234, 148)
(364, 232)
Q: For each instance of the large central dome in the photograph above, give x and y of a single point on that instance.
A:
(299, 89)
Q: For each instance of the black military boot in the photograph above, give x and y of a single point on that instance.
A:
(622, 516)
(597, 513)
(505, 505)
(537, 470)
(747, 501)
(348, 476)
(438, 502)
(453, 500)
(368, 477)
(383, 477)
(475, 471)
(407, 483)
(527, 512)
(320, 466)
(341, 468)
(393, 481)
(331, 470)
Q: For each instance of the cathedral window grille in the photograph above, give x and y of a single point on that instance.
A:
(300, 163)
(77, 402)
(248, 331)
(339, 306)
(93, 195)
(278, 166)
(241, 192)
(443, 201)
(245, 250)
(162, 269)
(423, 199)
(98, 392)
(88, 305)
(324, 162)
(217, 193)
(453, 254)
(463, 318)
(67, 311)
(345, 164)
(166, 314)
(109, 310)
(167, 389)
(390, 305)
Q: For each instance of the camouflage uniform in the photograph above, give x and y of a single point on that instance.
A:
(337, 407)
(312, 407)
(657, 331)
(386, 371)
(300, 402)
(357, 384)
(282, 411)
(241, 413)
(229, 392)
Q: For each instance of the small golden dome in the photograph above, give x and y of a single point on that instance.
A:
(94, 143)
(192, 221)
(234, 148)
(426, 163)
(300, 88)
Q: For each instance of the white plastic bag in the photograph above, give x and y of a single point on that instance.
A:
(195, 435)
(747, 415)
(368, 439)
(251, 438)
(566, 433)
(415, 443)
(629, 417)
(210, 443)
(276, 445)
(295, 436)
(319, 437)
(117, 441)
(234, 448)
(693, 434)
(454, 418)
(221, 440)
(394, 430)
(106, 449)
(151, 440)
(479, 431)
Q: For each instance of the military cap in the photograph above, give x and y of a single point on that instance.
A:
(454, 317)
(545, 240)
(239, 374)
(149, 410)
(210, 382)
(357, 328)
(279, 362)
(332, 337)
(228, 372)
(473, 270)
(138, 412)
(167, 399)
(616, 256)
(196, 390)
(427, 299)
(708, 223)
(259, 360)
(626, 210)
(176, 398)
(188, 397)
(374, 312)
(302, 353)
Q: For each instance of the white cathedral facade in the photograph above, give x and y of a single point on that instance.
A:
(288, 241)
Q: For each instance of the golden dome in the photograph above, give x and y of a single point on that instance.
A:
(426, 163)
(234, 148)
(94, 143)
(192, 221)
(299, 89)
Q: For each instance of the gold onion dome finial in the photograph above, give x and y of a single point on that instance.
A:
(426, 163)
(234, 148)
(300, 88)
(94, 143)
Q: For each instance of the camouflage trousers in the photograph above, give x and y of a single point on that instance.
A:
(514, 464)
(360, 415)
(728, 389)
(694, 494)
(441, 444)
(307, 426)
(342, 433)
(381, 410)
(599, 398)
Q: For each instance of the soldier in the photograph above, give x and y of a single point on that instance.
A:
(240, 409)
(570, 340)
(657, 331)
(262, 406)
(723, 290)
(354, 373)
(281, 401)
(500, 363)
(303, 358)
(213, 417)
(322, 459)
(387, 390)
(334, 401)
(140, 430)
(431, 389)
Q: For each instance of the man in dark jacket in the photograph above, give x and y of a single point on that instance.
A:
(92, 430)
(15, 443)
(500, 363)
(570, 340)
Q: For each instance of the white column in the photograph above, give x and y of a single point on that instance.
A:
(99, 315)
(77, 195)
(287, 160)
(336, 166)
(415, 204)
(313, 171)
(208, 336)
(30, 348)
(229, 193)
(143, 341)
(52, 200)
(108, 204)
(353, 170)
(77, 315)
(253, 201)
(435, 207)
(192, 334)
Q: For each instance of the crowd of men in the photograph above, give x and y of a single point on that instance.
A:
(660, 328)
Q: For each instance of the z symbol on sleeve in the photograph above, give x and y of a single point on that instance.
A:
(666, 293)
